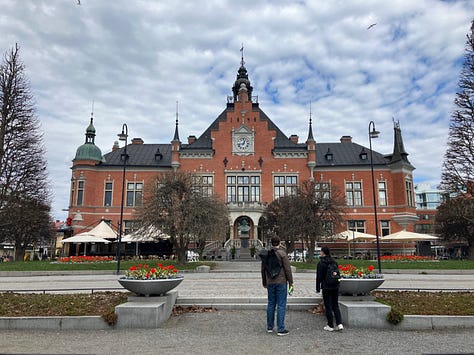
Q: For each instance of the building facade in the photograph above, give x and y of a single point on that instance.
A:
(245, 159)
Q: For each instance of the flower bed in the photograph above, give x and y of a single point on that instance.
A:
(84, 259)
(394, 258)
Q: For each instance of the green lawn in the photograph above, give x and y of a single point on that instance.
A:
(415, 265)
(124, 265)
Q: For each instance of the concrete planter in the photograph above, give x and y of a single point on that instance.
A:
(150, 287)
(356, 287)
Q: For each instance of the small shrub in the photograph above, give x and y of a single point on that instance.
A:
(394, 316)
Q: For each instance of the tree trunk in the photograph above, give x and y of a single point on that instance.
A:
(20, 251)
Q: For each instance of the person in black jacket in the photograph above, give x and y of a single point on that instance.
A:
(330, 293)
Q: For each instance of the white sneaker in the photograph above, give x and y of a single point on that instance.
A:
(328, 328)
(339, 327)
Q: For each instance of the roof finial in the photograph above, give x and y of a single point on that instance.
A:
(242, 59)
(92, 111)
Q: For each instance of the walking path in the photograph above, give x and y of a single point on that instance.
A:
(234, 332)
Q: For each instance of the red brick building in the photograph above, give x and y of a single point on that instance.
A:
(248, 161)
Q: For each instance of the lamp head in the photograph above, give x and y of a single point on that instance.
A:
(374, 133)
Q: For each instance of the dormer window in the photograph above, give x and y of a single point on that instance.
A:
(329, 155)
(363, 154)
(158, 155)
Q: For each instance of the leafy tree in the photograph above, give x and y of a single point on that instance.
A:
(175, 204)
(455, 219)
(309, 215)
(458, 166)
(24, 198)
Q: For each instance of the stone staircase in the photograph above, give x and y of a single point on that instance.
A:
(247, 303)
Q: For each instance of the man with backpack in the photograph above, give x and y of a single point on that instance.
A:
(327, 279)
(276, 274)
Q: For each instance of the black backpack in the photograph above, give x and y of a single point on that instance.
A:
(271, 263)
(332, 275)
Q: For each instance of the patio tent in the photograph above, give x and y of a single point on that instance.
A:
(98, 234)
(103, 230)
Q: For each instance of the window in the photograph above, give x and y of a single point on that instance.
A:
(284, 185)
(205, 185)
(354, 193)
(357, 226)
(322, 190)
(243, 188)
(80, 193)
(71, 198)
(108, 194)
(385, 228)
(409, 193)
(134, 193)
(382, 193)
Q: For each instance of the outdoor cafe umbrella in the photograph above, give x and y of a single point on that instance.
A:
(85, 237)
(144, 234)
(353, 236)
(407, 237)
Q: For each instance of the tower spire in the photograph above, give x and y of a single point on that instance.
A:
(242, 62)
(176, 135)
(310, 132)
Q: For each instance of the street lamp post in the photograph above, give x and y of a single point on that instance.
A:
(374, 134)
(123, 136)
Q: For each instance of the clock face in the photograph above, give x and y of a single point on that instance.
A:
(243, 143)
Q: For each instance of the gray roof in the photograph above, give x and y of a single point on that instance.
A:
(141, 155)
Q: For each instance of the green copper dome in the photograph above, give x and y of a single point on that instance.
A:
(89, 151)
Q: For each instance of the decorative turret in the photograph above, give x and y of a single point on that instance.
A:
(311, 144)
(175, 145)
(89, 151)
(399, 154)
(242, 81)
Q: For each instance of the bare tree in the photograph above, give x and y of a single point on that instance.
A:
(458, 166)
(455, 220)
(175, 204)
(309, 216)
(24, 197)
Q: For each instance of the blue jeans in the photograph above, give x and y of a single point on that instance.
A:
(276, 298)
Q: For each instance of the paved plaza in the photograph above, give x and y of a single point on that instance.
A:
(235, 332)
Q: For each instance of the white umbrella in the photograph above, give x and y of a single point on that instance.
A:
(353, 236)
(103, 230)
(85, 237)
(145, 234)
(407, 237)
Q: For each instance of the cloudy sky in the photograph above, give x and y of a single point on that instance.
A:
(135, 59)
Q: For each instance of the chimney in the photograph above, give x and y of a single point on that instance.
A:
(346, 139)
(137, 141)
(115, 146)
(191, 139)
(294, 138)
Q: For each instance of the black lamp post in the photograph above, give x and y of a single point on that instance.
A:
(374, 134)
(123, 137)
